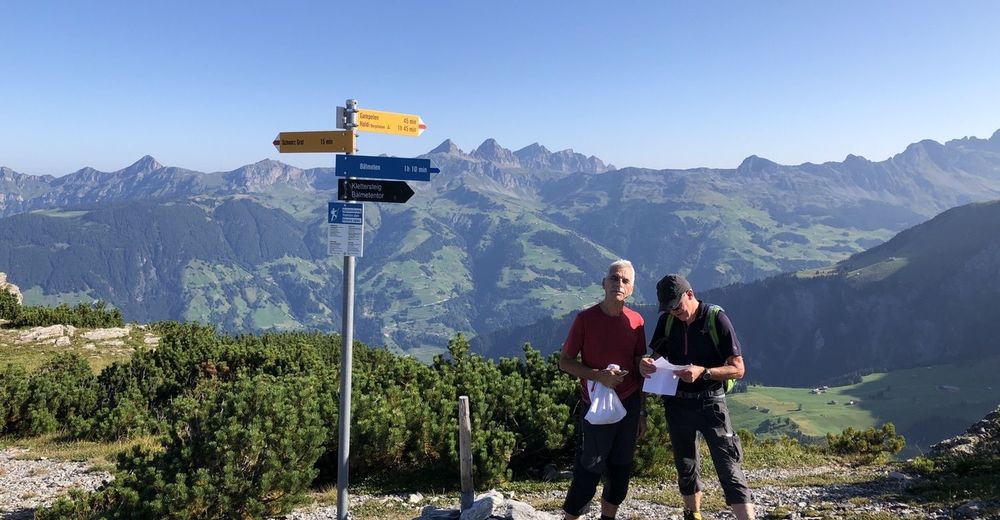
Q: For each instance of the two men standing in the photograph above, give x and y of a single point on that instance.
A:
(610, 333)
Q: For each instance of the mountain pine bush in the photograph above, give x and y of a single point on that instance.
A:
(244, 448)
(868, 443)
(13, 394)
(61, 393)
(82, 315)
(9, 308)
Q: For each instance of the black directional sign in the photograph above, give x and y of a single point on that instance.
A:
(371, 190)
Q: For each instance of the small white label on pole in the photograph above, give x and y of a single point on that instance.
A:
(347, 228)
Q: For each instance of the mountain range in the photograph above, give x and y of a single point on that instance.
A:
(498, 239)
(925, 297)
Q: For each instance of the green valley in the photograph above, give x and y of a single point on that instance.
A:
(926, 404)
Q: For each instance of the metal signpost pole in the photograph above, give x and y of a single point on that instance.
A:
(346, 357)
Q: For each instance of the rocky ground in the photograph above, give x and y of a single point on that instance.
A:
(26, 484)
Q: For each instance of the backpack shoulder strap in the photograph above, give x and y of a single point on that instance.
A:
(668, 324)
(710, 325)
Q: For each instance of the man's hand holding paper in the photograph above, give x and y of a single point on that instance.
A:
(660, 377)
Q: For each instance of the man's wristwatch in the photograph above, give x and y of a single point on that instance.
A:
(707, 374)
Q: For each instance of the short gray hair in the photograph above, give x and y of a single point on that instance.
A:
(622, 263)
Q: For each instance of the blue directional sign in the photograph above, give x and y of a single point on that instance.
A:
(392, 168)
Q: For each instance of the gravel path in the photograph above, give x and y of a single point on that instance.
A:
(27, 484)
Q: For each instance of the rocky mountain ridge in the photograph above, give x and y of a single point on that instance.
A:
(497, 239)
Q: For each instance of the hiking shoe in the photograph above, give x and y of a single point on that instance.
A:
(692, 515)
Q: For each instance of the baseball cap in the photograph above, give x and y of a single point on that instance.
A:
(669, 290)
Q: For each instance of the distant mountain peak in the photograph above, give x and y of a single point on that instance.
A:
(270, 163)
(448, 147)
(855, 159)
(533, 149)
(491, 151)
(145, 164)
(755, 164)
(539, 157)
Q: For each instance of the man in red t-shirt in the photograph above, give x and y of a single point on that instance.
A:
(607, 333)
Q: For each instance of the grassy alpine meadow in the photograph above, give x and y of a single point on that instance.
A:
(926, 404)
(31, 354)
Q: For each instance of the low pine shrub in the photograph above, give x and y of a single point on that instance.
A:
(9, 308)
(868, 443)
(82, 315)
(62, 393)
(244, 448)
(13, 395)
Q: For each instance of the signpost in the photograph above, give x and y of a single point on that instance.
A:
(371, 190)
(328, 141)
(390, 123)
(346, 219)
(395, 168)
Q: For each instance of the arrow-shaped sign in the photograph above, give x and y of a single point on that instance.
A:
(328, 141)
(394, 168)
(390, 123)
(369, 190)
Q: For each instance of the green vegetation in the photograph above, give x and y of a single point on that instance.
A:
(925, 404)
(954, 480)
(81, 315)
(9, 307)
(205, 425)
(867, 444)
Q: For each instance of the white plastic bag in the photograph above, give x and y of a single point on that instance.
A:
(605, 407)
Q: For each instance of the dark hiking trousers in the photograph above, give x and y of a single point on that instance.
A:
(709, 415)
(603, 450)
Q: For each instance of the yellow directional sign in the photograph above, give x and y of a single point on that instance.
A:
(390, 123)
(326, 141)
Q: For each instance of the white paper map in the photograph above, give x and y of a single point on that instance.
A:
(663, 381)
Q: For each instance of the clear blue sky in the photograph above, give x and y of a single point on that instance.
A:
(661, 84)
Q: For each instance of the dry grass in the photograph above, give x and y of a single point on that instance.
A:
(52, 446)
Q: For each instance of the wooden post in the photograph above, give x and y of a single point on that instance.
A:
(465, 451)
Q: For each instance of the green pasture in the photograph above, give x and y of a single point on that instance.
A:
(926, 404)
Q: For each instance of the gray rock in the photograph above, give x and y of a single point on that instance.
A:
(895, 475)
(514, 510)
(969, 509)
(982, 437)
(50, 333)
(108, 333)
(482, 508)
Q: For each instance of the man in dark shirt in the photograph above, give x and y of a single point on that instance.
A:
(699, 404)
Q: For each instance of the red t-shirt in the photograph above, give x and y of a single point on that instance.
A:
(602, 340)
